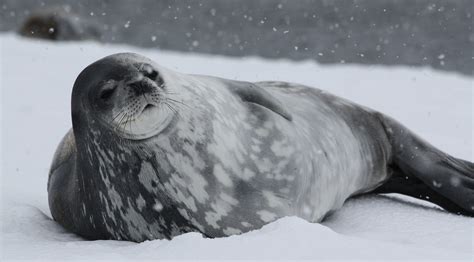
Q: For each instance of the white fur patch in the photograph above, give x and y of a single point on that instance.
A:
(266, 216)
(222, 176)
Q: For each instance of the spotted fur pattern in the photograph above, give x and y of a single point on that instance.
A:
(222, 166)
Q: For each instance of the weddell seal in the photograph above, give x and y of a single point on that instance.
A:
(153, 153)
(59, 24)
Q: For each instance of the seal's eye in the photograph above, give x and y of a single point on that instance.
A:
(107, 91)
(106, 94)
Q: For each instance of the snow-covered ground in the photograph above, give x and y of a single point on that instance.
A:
(36, 82)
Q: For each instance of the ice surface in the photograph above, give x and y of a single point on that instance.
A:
(36, 83)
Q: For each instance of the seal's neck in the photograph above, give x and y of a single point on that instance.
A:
(120, 184)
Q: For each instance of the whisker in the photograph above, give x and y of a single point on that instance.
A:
(172, 109)
(120, 118)
(124, 115)
(169, 92)
(131, 119)
(123, 122)
(118, 114)
(176, 105)
(176, 101)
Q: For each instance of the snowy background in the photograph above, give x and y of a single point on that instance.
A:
(36, 83)
(435, 33)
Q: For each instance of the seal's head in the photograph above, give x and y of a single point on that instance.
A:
(125, 93)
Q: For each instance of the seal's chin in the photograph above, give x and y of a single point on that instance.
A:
(151, 121)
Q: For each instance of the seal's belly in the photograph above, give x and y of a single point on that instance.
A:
(314, 162)
(258, 166)
(335, 140)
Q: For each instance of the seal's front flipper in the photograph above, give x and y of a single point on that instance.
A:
(252, 93)
(422, 171)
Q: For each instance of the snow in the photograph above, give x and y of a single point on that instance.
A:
(36, 82)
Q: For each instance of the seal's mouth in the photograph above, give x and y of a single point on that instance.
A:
(142, 123)
(148, 107)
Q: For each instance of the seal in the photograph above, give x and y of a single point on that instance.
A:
(154, 153)
(59, 24)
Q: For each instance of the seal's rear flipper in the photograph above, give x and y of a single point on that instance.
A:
(422, 171)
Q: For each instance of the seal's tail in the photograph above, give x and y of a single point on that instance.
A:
(422, 171)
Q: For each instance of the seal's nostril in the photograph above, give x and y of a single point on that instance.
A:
(153, 74)
(148, 71)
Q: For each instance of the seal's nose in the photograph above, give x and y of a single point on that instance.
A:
(148, 72)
